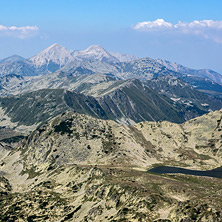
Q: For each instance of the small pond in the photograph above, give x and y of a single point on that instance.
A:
(167, 169)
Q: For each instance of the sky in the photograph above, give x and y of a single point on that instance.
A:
(187, 32)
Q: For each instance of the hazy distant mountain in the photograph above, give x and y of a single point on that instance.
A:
(143, 69)
(96, 53)
(122, 57)
(15, 64)
(55, 57)
(13, 58)
(94, 60)
(19, 67)
(203, 73)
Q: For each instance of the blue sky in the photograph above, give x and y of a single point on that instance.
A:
(27, 27)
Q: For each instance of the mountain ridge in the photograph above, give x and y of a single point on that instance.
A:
(55, 57)
(203, 73)
(96, 59)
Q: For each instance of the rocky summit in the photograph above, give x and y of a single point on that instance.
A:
(79, 168)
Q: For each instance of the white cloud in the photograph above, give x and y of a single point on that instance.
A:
(208, 29)
(18, 32)
(158, 24)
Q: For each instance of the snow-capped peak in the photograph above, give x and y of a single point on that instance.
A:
(53, 54)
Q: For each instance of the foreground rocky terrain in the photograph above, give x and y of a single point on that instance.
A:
(79, 168)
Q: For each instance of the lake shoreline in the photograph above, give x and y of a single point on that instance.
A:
(217, 172)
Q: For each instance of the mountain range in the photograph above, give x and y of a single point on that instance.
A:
(96, 59)
(55, 57)
(127, 89)
(203, 73)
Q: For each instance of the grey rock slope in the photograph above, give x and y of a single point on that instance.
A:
(142, 69)
(15, 84)
(183, 93)
(146, 68)
(37, 107)
(123, 57)
(204, 85)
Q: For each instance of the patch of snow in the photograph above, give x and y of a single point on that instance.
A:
(175, 99)
(204, 104)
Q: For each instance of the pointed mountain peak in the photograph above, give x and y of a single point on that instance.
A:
(55, 47)
(96, 46)
(55, 53)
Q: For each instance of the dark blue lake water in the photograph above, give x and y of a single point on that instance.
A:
(166, 169)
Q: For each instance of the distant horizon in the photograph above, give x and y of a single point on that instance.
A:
(188, 33)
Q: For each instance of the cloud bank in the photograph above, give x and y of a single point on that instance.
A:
(19, 32)
(208, 29)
